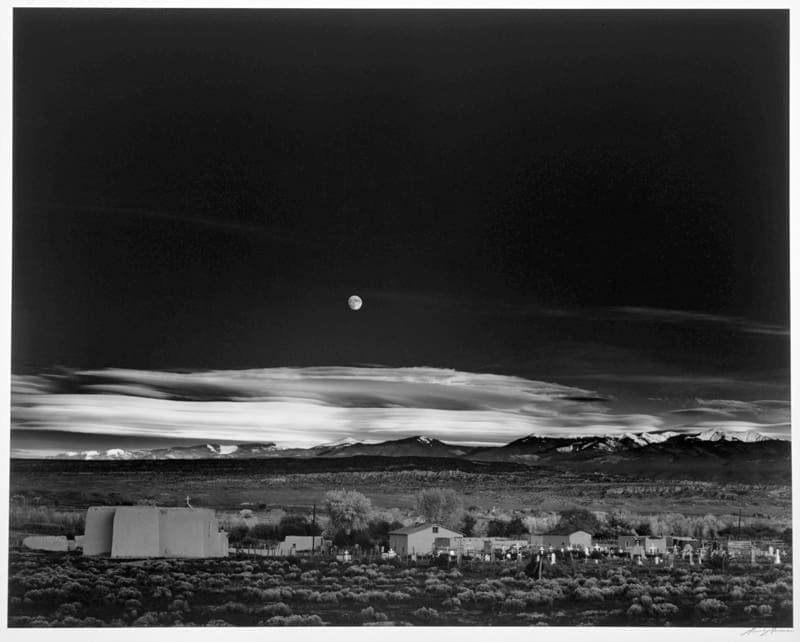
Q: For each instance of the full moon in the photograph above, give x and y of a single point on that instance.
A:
(354, 302)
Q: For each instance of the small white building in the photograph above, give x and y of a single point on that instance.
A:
(575, 540)
(293, 544)
(424, 539)
(487, 545)
(151, 531)
(47, 543)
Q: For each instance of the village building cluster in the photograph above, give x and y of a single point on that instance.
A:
(151, 531)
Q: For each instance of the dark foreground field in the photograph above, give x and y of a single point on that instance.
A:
(68, 590)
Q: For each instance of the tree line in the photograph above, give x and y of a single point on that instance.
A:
(351, 520)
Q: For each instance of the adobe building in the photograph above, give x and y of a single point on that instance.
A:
(293, 544)
(424, 539)
(656, 545)
(151, 531)
(633, 542)
(575, 539)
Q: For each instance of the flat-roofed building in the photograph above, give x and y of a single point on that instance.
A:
(573, 540)
(152, 531)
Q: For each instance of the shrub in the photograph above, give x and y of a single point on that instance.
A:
(68, 608)
(161, 593)
(39, 622)
(426, 613)
(369, 614)
(487, 598)
(293, 620)
(438, 588)
(278, 608)
(130, 594)
(513, 604)
(711, 606)
(664, 609)
(451, 603)
(782, 587)
(635, 610)
(148, 619)
(69, 621)
(588, 594)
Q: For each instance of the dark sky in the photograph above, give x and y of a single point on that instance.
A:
(546, 194)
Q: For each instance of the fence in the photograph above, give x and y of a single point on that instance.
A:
(321, 553)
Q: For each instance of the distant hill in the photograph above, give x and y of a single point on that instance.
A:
(659, 455)
(419, 446)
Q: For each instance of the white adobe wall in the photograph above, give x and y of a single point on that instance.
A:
(46, 543)
(150, 531)
(136, 532)
(301, 542)
(421, 542)
(219, 546)
(186, 532)
(580, 538)
(99, 530)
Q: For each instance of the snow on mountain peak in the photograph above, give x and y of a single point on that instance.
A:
(710, 435)
(344, 441)
(749, 436)
(424, 440)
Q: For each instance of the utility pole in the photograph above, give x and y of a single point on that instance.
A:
(739, 528)
(313, 528)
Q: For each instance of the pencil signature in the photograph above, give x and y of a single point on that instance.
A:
(762, 631)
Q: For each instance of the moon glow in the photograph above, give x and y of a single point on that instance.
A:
(355, 302)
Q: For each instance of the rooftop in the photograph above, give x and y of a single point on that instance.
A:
(409, 530)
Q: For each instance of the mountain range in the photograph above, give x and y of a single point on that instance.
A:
(530, 449)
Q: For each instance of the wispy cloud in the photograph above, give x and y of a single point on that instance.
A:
(645, 315)
(300, 407)
(193, 219)
(767, 413)
(683, 317)
(306, 406)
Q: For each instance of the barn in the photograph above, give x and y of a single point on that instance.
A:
(424, 539)
(151, 531)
